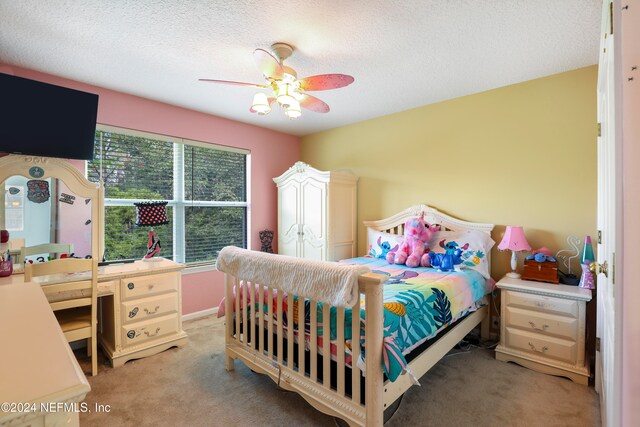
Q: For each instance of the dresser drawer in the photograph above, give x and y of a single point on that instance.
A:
(146, 308)
(543, 323)
(542, 303)
(138, 287)
(542, 345)
(149, 330)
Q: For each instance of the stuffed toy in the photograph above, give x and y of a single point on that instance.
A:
(450, 258)
(412, 250)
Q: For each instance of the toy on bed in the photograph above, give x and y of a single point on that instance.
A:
(450, 258)
(417, 234)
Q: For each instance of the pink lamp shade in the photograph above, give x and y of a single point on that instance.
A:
(514, 240)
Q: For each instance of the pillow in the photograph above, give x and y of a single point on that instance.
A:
(381, 243)
(475, 246)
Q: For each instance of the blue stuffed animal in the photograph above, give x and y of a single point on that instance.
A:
(449, 259)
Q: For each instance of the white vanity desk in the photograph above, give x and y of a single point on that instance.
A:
(33, 343)
(140, 307)
(140, 303)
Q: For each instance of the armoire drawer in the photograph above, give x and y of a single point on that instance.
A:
(542, 323)
(542, 303)
(148, 330)
(542, 345)
(146, 308)
(138, 287)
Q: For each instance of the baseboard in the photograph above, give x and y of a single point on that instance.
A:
(198, 314)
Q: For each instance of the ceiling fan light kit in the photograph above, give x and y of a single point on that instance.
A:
(284, 86)
(260, 104)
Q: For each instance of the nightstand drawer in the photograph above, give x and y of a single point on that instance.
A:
(542, 303)
(144, 308)
(148, 330)
(542, 323)
(137, 287)
(541, 345)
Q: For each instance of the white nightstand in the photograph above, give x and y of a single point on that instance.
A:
(542, 327)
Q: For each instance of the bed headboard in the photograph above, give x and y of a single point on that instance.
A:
(395, 224)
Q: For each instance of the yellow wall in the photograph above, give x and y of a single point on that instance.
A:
(518, 155)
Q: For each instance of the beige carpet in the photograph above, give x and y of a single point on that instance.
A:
(190, 387)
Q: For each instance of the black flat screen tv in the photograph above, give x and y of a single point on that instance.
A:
(42, 119)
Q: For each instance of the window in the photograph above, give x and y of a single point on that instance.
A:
(205, 185)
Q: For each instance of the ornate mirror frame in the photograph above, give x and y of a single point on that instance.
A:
(34, 167)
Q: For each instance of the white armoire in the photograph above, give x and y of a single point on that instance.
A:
(317, 213)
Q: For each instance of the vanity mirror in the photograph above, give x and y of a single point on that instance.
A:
(47, 200)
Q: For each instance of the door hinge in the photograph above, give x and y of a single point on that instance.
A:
(599, 237)
(611, 18)
(597, 343)
(599, 129)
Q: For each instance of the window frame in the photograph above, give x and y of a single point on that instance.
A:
(178, 203)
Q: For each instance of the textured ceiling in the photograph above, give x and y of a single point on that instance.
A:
(403, 54)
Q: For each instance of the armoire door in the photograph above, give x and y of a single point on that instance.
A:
(313, 219)
(289, 218)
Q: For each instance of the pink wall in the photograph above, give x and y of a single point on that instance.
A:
(630, 289)
(271, 154)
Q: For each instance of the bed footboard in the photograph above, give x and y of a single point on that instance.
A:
(276, 354)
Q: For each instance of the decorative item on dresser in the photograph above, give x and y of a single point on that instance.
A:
(316, 213)
(543, 327)
(515, 241)
(541, 271)
(566, 255)
(151, 214)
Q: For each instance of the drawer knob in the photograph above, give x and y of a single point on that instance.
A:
(146, 310)
(133, 312)
(543, 328)
(542, 350)
(131, 334)
(149, 334)
(130, 285)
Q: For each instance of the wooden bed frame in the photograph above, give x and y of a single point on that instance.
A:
(268, 356)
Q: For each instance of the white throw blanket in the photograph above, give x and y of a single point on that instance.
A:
(328, 282)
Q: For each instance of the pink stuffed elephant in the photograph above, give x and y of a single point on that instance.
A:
(417, 234)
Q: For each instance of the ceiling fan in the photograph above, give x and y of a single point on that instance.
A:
(284, 86)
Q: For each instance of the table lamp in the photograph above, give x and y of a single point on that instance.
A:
(514, 241)
(151, 214)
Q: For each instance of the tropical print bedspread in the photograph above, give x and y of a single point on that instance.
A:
(418, 304)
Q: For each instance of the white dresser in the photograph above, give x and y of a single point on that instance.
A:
(143, 316)
(543, 327)
(317, 213)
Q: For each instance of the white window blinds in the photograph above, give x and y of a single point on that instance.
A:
(206, 188)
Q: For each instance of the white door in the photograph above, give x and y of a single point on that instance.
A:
(607, 328)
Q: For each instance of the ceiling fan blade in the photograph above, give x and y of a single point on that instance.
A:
(314, 104)
(325, 82)
(227, 82)
(268, 64)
